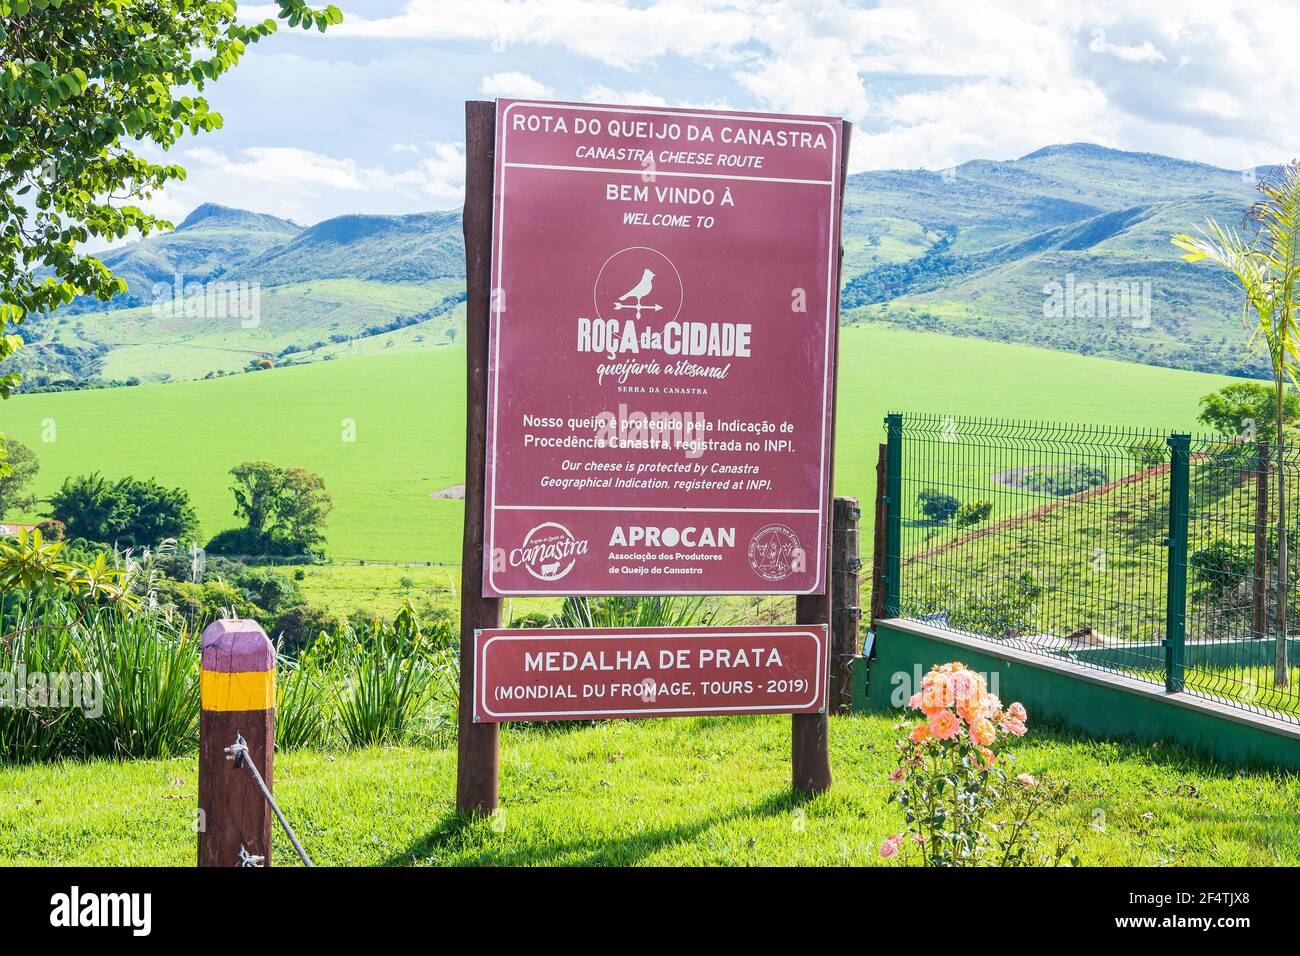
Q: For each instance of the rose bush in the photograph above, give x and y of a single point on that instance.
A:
(959, 804)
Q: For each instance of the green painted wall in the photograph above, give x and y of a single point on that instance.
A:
(1101, 710)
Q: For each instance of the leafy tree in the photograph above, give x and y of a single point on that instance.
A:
(78, 80)
(304, 507)
(88, 506)
(257, 489)
(285, 510)
(128, 513)
(1248, 410)
(155, 514)
(23, 467)
(1267, 268)
(937, 506)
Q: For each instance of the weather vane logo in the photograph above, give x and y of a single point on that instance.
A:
(636, 283)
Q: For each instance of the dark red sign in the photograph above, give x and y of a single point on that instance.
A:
(662, 342)
(546, 674)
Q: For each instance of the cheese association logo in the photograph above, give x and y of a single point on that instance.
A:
(549, 552)
(774, 552)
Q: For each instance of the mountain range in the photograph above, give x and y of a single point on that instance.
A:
(1066, 247)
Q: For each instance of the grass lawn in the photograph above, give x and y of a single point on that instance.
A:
(656, 792)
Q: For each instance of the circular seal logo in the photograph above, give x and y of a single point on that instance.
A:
(773, 552)
(549, 552)
(638, 283)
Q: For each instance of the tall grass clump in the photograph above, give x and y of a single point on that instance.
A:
(668, 611)
(395, 681)
(303, 704)
(148, 665)
(36, 642)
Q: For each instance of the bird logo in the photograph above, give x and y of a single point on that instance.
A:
(638, 281)
(638, 292)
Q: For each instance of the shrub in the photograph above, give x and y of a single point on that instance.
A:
(128, 513)
(266, 588)
(959, 807)
(1220, 564)
(1067, 480)
(973, 512)
(1007, 608)
(532, 619)
(937, 506)
(298, 627)
(245, 542)
(143, 698)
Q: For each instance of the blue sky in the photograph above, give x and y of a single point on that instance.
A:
(369, 117)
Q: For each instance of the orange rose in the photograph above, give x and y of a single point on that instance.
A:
(982, 732)
(945, 725)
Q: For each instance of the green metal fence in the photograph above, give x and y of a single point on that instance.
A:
(1139, 552)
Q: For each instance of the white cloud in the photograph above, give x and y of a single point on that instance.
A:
(928, 83)
(513, 84)
(607, 94)
(611, 32)
(307, 186)
(1145, 53)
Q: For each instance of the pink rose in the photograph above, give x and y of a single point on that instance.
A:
(890, 846)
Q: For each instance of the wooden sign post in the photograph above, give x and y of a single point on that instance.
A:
(652, 318)
(477, 744)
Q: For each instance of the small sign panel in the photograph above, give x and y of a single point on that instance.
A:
(561, 674)
(660, 372)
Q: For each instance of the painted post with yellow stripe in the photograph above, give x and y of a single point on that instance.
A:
(237, 699)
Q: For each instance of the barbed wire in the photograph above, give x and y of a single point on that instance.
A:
(238, 752)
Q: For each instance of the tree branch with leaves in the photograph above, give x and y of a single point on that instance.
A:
(82, 81)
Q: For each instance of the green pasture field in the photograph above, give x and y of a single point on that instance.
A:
(408, 408)
(686, 791)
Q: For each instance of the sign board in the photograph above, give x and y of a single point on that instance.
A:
(660, 369)
(550, 674)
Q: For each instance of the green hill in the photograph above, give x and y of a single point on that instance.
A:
(968, 251)
(402, 249)
(408, 410)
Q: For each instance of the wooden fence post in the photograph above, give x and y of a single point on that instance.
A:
(810, 756)
(236, 698)
(846, 613)
(477, 745)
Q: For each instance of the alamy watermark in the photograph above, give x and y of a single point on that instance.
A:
(1104, 299)
(215, 299)
(21, 689)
